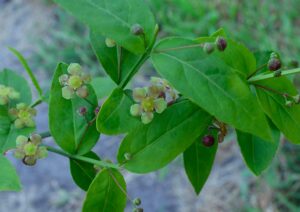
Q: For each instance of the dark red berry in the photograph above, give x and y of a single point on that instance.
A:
(82, 111)
(274, 64)
(208, 140)
(221, 43)
(96, 111)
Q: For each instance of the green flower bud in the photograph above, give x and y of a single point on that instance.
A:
(137, 29)
(19, 124)
(75, 81)
(21, 141)
(21, 106)
(289, 103)
(29, 123)
(42, 152)
(36, 139)
(135, 110)
(14, 95)
(82, 92)
(19, 154)
(208, 48)
(160, 105)
(137, 201)
(86, 78)
(297, 99)
(110, 43)
(139, 94)
(63, 79)
(30, 149)
(147, 117)
(67, 92)
(29, 160)
(127, 156)
(3, 100)
(74, 69)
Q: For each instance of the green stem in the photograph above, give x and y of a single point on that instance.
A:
(88, 101)
(45, 134)
(28, 70)
(271, 75)
(36, 103)
(83, 158)
(141, 61)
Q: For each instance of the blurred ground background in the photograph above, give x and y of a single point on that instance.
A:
(45, 35)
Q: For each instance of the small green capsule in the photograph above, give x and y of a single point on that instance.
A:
(208, 48)
(127, 156)
(289, 103)
(110, 43)
(297, 99)
(137, 29)
(137, 201)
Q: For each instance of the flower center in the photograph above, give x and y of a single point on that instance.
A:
(148, 104)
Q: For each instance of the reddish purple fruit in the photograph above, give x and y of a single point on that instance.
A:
(221, 44)
(208, 140)
(274, 64)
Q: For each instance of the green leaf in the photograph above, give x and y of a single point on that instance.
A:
(103, 86)
(286, 119)
(71, 131)
(9, 180)
(106, 193)
(83, 173)
(8, 132)
(210, 83)
(115, 19)
(153, 146)
(114, 117)
(198, 162)
(258, 153)
(117, 62)
(236, 55)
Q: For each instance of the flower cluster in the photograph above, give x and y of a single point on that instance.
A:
(74, 82)
(22, 116)
(29, 149)
(7, 94)
(154, 98)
